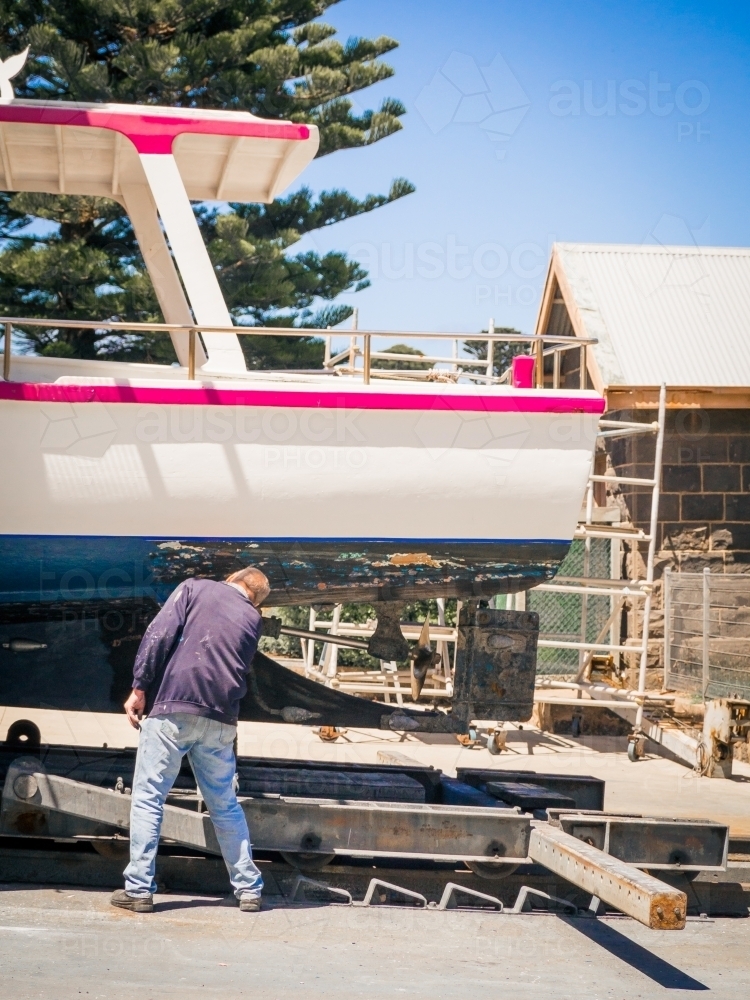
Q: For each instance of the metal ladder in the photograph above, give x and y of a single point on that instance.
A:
(636, 589)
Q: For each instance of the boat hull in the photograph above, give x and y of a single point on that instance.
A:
(117, 491)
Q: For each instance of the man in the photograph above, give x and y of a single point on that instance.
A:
(189, 676)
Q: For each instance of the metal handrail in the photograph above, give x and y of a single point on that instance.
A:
(533, 340)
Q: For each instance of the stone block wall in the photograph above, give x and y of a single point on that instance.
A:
(704, 510)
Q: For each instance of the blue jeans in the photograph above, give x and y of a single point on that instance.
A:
(164, 741)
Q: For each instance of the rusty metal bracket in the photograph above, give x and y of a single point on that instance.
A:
(523, 904)
(452, 889)
(302, 881)
(377, 883)
(653, 903)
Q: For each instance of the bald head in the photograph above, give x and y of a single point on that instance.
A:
(253, 582)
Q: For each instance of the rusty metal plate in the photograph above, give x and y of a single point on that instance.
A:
(495, 665)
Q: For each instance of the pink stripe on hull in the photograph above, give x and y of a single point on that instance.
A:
(532, 402)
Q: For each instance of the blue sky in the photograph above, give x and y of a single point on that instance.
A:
(538, 120)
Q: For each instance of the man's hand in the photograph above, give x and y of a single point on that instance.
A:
(135, 707)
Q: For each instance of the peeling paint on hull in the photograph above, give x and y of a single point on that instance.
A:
(65, 568)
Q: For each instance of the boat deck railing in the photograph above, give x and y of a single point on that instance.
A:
(347, 362)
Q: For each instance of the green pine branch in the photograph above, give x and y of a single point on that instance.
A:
(70, 257)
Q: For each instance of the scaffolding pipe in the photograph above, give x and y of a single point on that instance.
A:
(706, 629)
(651, 552)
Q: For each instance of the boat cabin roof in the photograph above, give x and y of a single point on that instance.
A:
(65, 147)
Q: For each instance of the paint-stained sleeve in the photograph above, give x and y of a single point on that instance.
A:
(160, 638)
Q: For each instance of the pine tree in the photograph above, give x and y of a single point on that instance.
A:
(72, 257)
(503, 352)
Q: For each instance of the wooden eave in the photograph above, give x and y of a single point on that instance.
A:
(646, 397)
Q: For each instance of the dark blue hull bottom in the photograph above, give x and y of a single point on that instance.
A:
(39, 569)
(73, 610)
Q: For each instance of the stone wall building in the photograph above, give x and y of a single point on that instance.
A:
(678, 315)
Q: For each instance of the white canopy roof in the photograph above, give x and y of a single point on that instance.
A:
(62, 147)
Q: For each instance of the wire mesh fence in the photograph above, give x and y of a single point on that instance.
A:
(707, 633)
(561, 615)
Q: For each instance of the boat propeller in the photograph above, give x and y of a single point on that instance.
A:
(422, 659)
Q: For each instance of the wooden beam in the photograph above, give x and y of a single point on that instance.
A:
(548, 295)
(653, 903)
(645, 397)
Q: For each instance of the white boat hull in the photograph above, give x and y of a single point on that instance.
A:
(120, 490)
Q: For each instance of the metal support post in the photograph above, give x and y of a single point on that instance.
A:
(442, 645)
(7, 350)
(491, 349)
(366, 359)
(583, 659)
(654, 527)
(308, 649)
(539, 364)
(331, 650)
(706, 631)
(191, 355)
(667, 604)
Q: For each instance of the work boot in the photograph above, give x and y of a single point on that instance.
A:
(138, 904)
(249, 904)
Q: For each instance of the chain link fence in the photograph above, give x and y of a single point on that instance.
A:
(707, 633)
(561, 615)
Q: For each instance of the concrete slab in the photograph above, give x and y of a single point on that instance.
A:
(653, 786)
(64, 943)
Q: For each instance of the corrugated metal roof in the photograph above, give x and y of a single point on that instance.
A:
(673, 314)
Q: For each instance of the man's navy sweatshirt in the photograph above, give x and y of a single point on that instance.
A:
(195, 655)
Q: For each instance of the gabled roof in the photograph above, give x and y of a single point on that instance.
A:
(674, 314)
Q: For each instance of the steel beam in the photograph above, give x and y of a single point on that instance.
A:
(318, 826)
(631, 891)
(657, 844)
(387, 829)
(33, 790)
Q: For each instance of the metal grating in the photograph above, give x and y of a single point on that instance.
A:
(707, 644)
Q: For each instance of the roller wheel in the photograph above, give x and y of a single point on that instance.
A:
(634, 753)
(112, 850)
(492, 870)
(305, 861)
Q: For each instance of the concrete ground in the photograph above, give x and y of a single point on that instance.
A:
(653, 786)
(60, 943)
(57, 944)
